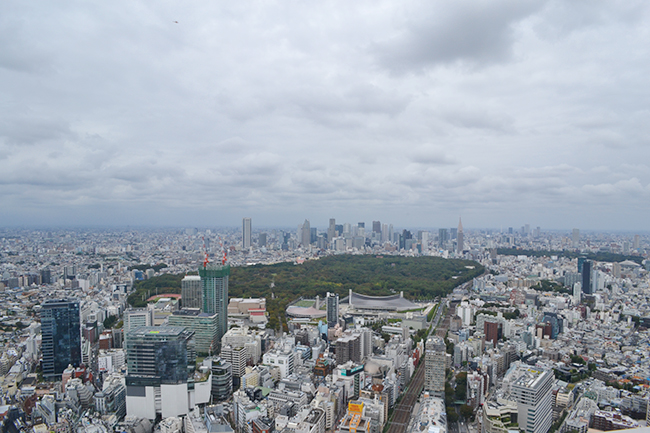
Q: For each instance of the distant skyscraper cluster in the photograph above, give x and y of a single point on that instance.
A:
(343, 237)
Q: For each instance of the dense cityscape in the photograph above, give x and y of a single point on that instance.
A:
(552, 336)
(376, 216)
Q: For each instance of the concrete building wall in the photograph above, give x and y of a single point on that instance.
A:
(174, 400)
(141, 402)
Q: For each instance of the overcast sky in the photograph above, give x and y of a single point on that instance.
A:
(504, 112)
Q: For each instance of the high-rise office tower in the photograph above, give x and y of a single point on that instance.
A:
(262, 240)
(531, 389)
(384, 233)
(461, 237)
(361, 229)
(204, 326)
(332, 309)
(434, 364)
(191, 292)
(46, 276)
(236, 356)
(586, 277)
(145, 350)
(214, 279)
(425, 242)
(137, 317)
(376, 226)
(492, 332)
(575, 238)
(246, 233)
(221, 379)
(637, 242)
(443, 237)
(134, 318)
(157, 358)
(331, 230)
(577, 292)
(61, 333)
(305, 236)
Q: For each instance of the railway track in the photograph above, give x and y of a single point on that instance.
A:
(404, 410)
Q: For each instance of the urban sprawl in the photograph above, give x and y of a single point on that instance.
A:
(552, 337)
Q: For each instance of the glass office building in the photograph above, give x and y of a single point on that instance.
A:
(214, 279)
(61, 332)
(158, 355)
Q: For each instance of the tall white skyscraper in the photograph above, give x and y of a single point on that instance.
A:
(434, 373)
(384, 233)
(246, 233)
(577, 293)
(331, 230)
(530, 387)
(305, 235)
(575, 237)
(425, 242)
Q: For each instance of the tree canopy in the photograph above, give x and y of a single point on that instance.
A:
(418, 277)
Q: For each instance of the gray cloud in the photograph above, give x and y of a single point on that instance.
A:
(436, 33)
(410, 112)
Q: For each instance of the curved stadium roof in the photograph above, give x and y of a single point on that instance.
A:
(387, 303)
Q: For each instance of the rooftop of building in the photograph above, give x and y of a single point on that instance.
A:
(159, 331)
(192, 312)
(309, 312)
(527, 376)
(431, 416)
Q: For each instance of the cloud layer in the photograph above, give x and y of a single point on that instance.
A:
(412, 112)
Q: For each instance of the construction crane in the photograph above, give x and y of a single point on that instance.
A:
(206, 259)
(225, 252)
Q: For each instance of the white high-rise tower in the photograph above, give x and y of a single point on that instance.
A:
(246, 233)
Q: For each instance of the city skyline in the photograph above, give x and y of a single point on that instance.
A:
(504, 112)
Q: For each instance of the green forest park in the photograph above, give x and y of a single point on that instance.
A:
(420, 278)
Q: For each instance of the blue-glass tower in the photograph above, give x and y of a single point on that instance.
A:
(61, 330)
